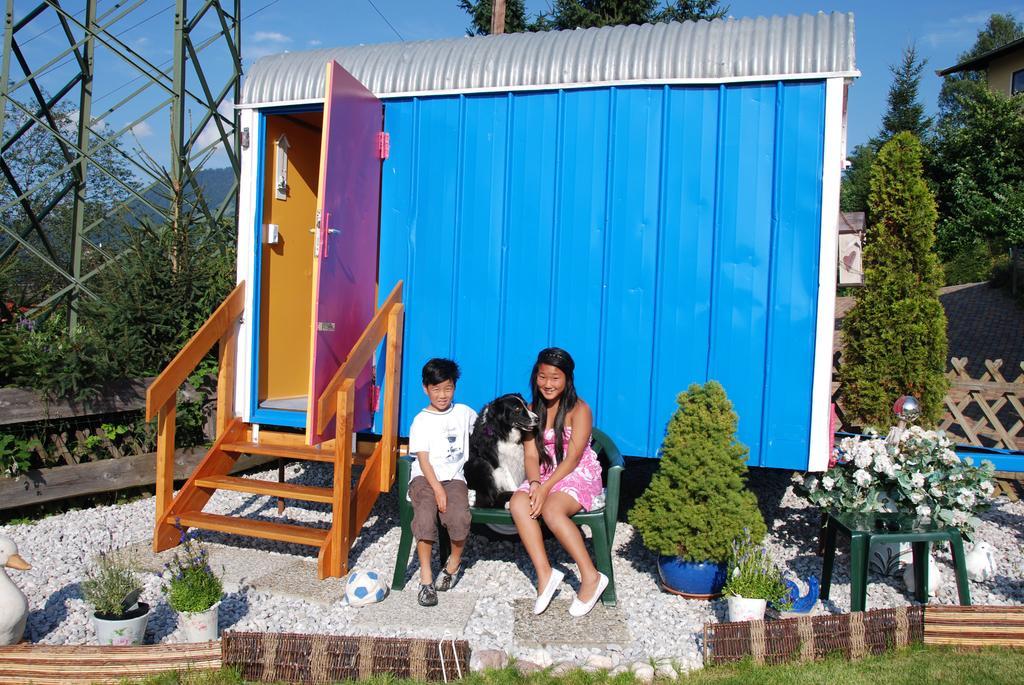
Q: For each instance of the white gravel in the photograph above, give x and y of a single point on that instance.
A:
(663, 626)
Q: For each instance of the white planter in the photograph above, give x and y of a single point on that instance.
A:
(744, 609)
(124, 631)
(200, 626)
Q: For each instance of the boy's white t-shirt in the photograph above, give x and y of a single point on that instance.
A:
(445, 437)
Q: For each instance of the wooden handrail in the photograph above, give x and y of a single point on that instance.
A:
(327, 403)
(220, 322)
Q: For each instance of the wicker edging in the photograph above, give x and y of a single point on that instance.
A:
(809, 638)
(269, 657)
(977, 626)
(314, 659)
(31, 664)
(298, 658)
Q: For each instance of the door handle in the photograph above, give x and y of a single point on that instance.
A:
(325, 233)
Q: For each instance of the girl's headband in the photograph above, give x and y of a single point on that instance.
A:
(556, 357)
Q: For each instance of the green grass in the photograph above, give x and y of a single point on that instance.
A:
(225, 676)
(914, 666)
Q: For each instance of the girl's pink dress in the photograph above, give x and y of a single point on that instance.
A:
(583, 483)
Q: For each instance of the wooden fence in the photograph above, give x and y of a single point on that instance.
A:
(61, 426)
(987, 411)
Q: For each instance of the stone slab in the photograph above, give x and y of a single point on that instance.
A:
(297, 578)
(603, 626)
(450, 616)
(255, 568)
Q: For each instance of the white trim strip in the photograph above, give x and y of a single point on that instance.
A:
(248, 195)
(821, 391)
(757, 78)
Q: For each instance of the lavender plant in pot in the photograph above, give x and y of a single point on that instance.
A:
(194, 590)
(113, 587)
(753, 582)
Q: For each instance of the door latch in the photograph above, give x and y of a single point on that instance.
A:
(316, 235)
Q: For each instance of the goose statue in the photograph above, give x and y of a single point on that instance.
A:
(934, 577)
(13, 604)
(981, 562)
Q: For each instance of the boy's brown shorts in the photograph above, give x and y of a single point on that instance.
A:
(456, 517)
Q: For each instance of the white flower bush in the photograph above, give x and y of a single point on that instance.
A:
(919, 475)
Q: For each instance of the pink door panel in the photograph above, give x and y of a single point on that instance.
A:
(345, 275)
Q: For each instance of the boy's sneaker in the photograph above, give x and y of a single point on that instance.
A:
(446, 581)
(427, 596)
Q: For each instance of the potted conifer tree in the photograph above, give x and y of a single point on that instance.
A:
(698, 501)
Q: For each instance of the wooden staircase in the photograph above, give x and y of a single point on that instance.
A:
(350, 503)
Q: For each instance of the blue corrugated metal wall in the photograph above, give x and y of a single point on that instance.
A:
(663, 235)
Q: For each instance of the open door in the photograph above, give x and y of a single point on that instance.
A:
(345, 245)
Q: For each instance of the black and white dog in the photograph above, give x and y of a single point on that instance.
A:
(494, 467)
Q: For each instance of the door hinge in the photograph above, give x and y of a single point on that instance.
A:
(383, 145)
(325, 326)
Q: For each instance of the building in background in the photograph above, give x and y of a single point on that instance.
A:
(1003, 67)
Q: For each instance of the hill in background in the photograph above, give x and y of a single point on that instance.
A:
(215, 184)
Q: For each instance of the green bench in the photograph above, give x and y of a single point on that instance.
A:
(601, 521)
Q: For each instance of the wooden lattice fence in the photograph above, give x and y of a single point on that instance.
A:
(986, 411)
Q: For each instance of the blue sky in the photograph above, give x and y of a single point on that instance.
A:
(941, 30)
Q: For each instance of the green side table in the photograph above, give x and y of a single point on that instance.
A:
(864, 529)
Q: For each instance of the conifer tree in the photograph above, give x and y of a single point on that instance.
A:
(896, 332)
(904, 112)
(856, 183)
(698, 501)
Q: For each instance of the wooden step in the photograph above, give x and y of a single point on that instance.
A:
(307, 493)
(267, 437)
(287, 451)
(285, 532)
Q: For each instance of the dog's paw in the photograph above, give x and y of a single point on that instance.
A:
(472, 497)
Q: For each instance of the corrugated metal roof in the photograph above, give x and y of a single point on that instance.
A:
(809, 45)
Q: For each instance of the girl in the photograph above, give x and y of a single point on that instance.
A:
(563, 477)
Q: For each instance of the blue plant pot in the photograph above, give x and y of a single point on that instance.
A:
(702, 580)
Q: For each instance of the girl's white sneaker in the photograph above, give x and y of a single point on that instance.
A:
(578, 608)
(544, 598)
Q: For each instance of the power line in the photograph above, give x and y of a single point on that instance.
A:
(400, 36)
(140, 23)
(161, 66)
(55, 26)
(255, 12)
(120, 33)
(167, 62)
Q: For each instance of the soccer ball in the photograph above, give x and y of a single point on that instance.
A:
(364, 587)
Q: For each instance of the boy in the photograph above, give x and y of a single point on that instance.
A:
(439, 437)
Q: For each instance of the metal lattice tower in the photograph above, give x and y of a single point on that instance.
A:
(53, 102)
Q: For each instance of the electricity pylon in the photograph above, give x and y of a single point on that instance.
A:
(54, 99)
